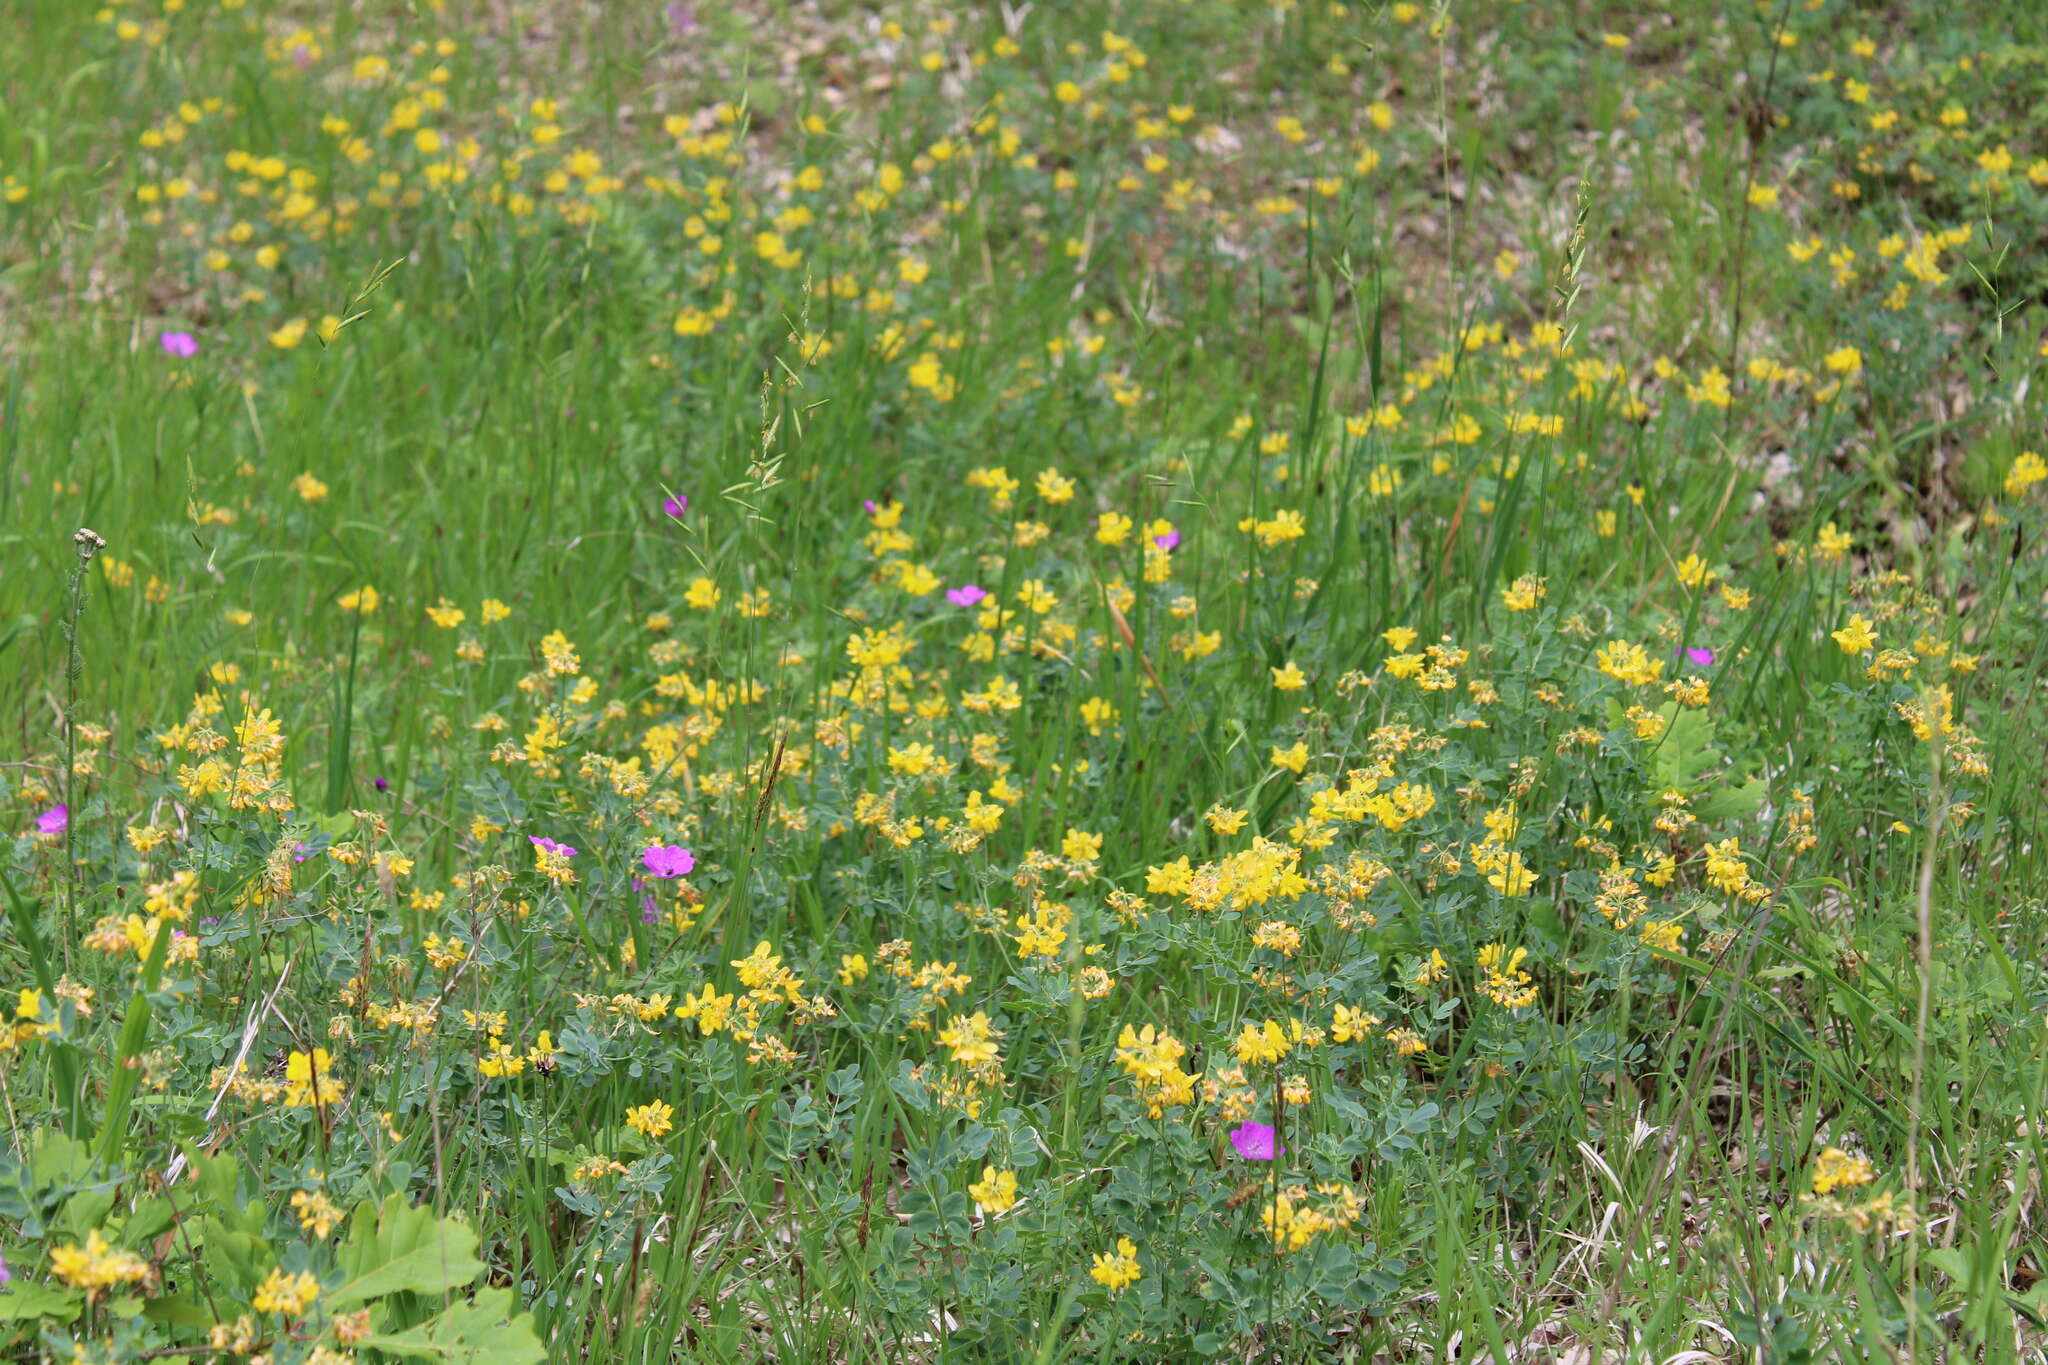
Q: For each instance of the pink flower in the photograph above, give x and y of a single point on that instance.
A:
(676, 505)
(547, 845)
(1254, 1141)
(183, 345)
(1167, 541)
(966, 595)
(668, 860)
(55, 820)
(1701, 657)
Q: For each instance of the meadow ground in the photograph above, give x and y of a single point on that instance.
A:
(1118, 680)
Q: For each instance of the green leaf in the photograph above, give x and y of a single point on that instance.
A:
(1731, 803)
(177, 1311)
(405, 1250)
(1950, 1261)
(1686, 753)
(150, 1217)
(24, 1299)
(59, 1160)
(489, 1328)
(237, 1259)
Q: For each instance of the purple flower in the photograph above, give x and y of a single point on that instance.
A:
(301, 852)
(55, 820)
(183, 345)
(868, 506)
(676, 505)
(966, 595)
(1701, 657)
(5, 1274)
(547, 845)
(668, 860)
(682, 19)
(1167, 541)
(382, 785)
(1254, 1141)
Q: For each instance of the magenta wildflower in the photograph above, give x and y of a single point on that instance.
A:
(668, 860)
(1255, 1141)
(547, 845)
(966, 595)
(183, 345)
(1167, 541)
(676, 505)
(55, 820)
(1701, 657)
(6, 1275)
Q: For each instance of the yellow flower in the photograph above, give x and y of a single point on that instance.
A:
(309, 488)
(309, 1080)
(995, 1192)
(1295, 760)
(543, 1052)
(286, 1294)
(97, 1265)
(1266, 1042)
(972, 1039)
(655, 1119)
(317, 1213)
(1290, 678)
(1352, 1025)
(2028, 470)
(289, 335)
(1836, 1169)
(1523, 594)
(1627, 662)
(912, 760)
(364, 600)
(1054, 487)
(1513, 878)
(1118, 1270)
(1224, 820)
(1856, 637)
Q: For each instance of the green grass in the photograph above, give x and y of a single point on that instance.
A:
(1764, 916)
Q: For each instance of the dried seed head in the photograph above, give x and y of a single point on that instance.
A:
(89, 542)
